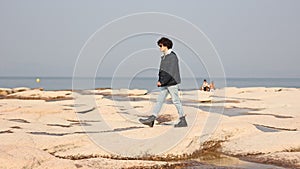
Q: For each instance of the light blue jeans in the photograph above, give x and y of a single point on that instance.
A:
(164, 91)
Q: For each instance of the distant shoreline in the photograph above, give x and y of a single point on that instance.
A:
(157, 89)
(67, 83)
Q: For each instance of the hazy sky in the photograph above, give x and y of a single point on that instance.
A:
(254, 38)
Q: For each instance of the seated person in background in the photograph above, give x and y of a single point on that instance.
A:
(205, 86)
(212, 86)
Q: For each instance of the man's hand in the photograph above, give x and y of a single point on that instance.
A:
(158, 84)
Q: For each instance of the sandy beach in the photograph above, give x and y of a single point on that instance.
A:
(228, 128)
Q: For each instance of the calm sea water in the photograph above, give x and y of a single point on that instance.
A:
(61, 83)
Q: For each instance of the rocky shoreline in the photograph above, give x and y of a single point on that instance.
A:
(58, 129)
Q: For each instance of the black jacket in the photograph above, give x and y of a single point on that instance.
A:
(169, 70)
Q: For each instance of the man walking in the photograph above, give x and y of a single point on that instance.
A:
(169, 78)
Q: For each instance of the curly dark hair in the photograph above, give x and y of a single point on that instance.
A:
(166, 42)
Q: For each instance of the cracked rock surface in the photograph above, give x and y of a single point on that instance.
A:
(59, 129)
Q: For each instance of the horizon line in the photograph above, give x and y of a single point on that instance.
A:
(149, 77)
